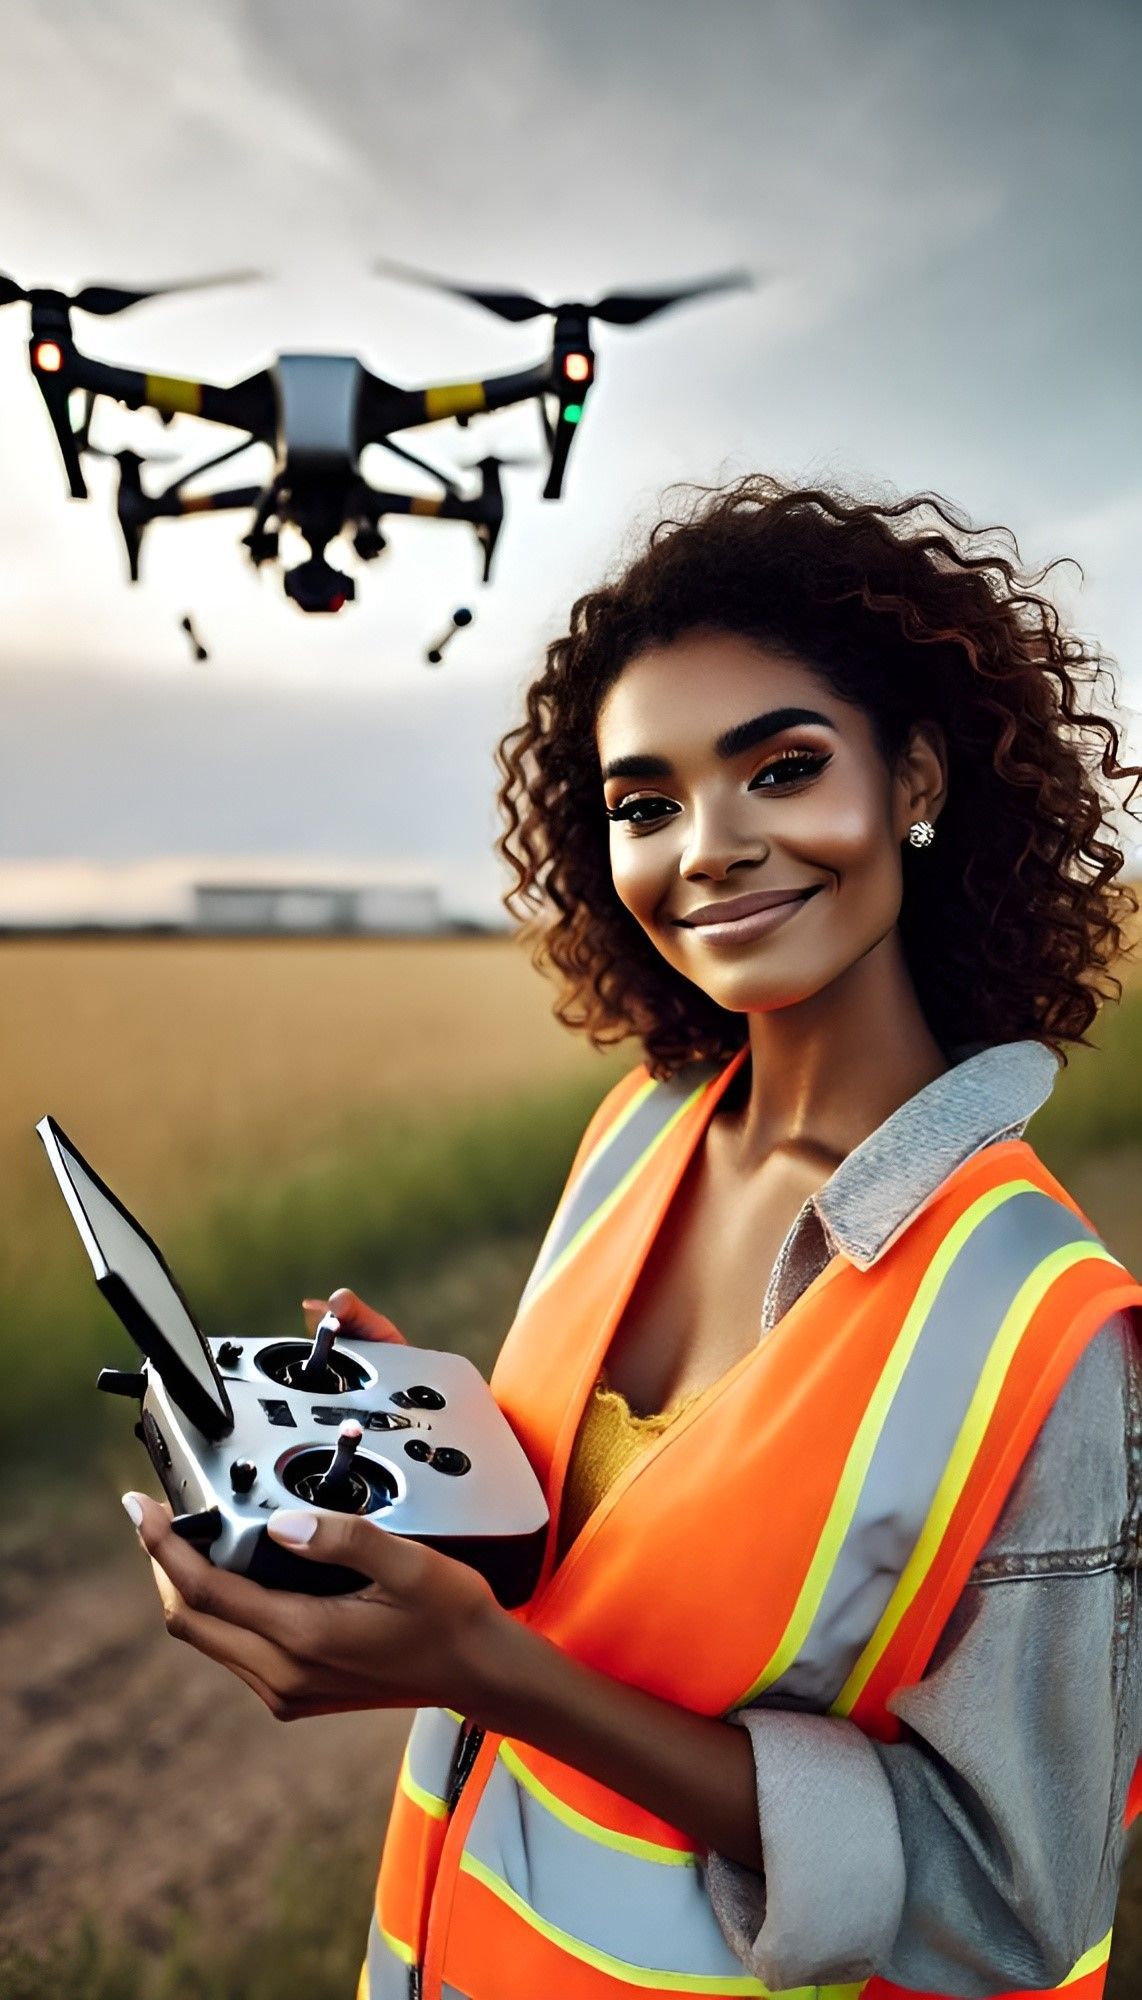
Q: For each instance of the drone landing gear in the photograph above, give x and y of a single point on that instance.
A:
(198, 649)
(460, 618)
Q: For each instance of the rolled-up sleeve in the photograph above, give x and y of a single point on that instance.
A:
(982, 1852)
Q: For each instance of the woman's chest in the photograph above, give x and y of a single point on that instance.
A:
(696, 1305)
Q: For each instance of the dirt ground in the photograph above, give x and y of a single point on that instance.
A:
(140, 1778)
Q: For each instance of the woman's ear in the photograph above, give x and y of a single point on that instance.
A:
(922, 772)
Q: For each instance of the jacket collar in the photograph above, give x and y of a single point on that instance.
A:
(989, 1093)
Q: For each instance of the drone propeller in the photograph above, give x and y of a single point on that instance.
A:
(572, 361)
(104, 300)
(619, 308)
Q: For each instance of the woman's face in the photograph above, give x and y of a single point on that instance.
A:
(731, 769)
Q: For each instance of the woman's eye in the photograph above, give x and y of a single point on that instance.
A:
(631, 807)
(787, 768)
(791, 764)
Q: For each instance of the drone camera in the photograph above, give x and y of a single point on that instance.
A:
(316, 586)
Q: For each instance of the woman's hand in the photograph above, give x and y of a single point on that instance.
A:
(424, 1631)
(360, 1321)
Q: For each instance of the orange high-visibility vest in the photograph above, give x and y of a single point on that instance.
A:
(815, 1513)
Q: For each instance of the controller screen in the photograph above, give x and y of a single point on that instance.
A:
(111, 1239)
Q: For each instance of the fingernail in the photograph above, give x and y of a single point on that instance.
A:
(291, 1524)
(133, 1509)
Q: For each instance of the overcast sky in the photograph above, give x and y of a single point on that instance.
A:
(941, 202)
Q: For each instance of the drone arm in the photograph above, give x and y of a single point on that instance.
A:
(373, 504)
(177, 503)
(248, 406)
(385, 408)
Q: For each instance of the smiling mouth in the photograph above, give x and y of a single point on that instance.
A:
(709, 921)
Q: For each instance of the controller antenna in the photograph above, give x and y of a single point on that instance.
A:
(316, 1369)
(335, 1487)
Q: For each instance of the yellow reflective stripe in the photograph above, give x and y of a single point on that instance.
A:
(600, 1214)
(617, 1125)
(403, 1951)
(620, 1968)
(170, 392)
(959, 1465)
(425, 1800)
(572, 1188)
(847, 1495)
(603, 1836)
(453, 1712)
(1097, 1955)
(453, 399)
(362, 1992)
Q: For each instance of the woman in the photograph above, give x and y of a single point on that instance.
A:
(832, 1676)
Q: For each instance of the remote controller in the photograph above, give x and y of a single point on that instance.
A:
(410, 1438)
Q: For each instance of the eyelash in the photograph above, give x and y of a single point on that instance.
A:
(804, 758)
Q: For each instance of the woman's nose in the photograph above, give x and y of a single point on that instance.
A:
(715, 841)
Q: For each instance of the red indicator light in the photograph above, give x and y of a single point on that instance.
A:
(48, 357)
(337, 603)
(576, 367)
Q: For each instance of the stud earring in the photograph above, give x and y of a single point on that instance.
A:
(921, 833)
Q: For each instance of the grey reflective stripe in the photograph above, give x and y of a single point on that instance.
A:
(614, 1903)
(387, 1969)
(431, 1747)
(958, 1331)
(619, 1153)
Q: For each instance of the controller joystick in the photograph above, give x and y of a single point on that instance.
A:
(335, 1487)
(321, 1368)
(316, 1372)
(341, 1481)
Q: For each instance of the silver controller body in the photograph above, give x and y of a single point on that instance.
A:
(410, 1439)
(437, 1461)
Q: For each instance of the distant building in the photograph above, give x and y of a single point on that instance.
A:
(306, 906)
(239, 895)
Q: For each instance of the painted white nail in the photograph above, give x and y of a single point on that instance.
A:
(133, 1509)
(292, 1524)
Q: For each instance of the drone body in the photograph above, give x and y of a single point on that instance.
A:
(316, 413)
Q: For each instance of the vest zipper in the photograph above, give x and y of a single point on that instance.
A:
(471, 1737)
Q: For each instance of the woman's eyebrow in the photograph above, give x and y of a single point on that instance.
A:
(743, 736)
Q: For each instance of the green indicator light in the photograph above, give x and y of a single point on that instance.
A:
(572, 413)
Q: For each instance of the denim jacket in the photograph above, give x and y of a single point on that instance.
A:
(982, 1852)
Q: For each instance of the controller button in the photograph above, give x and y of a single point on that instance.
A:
(423, 1398)
(228, 1353)
(418, 1448)
(198, 1529)
(446, 1458)
(243, 1473)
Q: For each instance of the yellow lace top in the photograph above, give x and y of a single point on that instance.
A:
(609, 1437)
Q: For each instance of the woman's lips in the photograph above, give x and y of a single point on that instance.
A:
(741, 929)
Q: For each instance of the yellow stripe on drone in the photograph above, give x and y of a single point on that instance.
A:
(454, 399)
(170, 392)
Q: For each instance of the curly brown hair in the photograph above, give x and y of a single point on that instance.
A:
(1014, 912)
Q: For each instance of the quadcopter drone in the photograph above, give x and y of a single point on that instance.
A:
(317, 412)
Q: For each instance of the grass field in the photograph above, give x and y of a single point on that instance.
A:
(284, 1117)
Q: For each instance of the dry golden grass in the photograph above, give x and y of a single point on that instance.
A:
(177, 1064)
